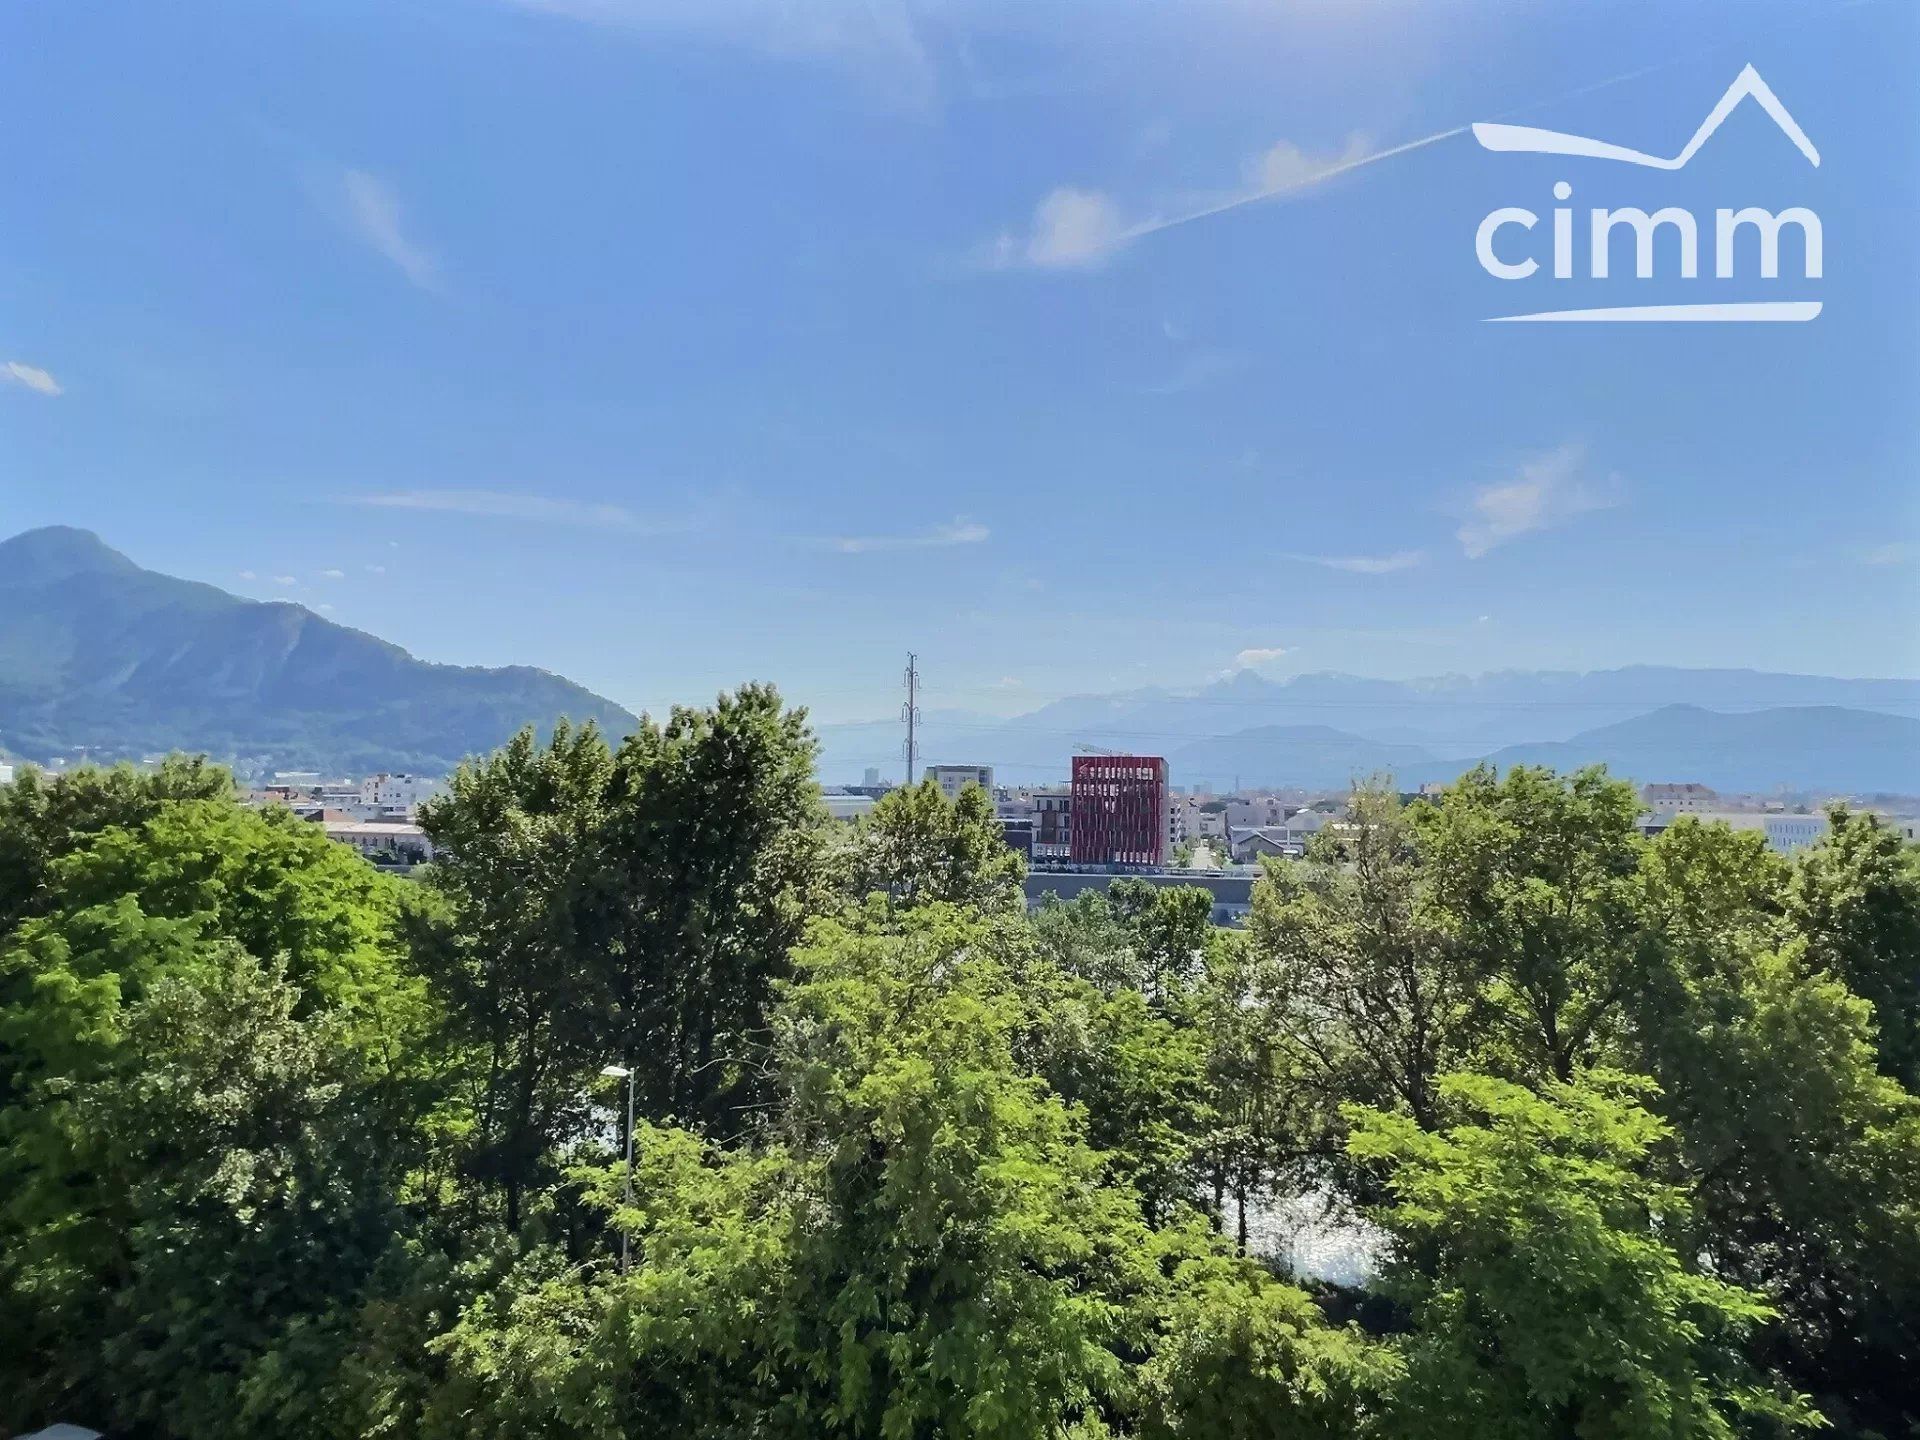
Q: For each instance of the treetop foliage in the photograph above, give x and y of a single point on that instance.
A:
(289, 1146)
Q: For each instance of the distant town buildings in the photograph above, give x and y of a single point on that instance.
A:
(1053, 823)
(952, 779)
(1250, 845)
(383, 843)
(847, 804)
(1685, 799)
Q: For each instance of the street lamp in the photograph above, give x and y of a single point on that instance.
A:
(622, 1072)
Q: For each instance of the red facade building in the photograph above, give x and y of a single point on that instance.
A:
(1119, 810)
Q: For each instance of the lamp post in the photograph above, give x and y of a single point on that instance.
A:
(622, 1072)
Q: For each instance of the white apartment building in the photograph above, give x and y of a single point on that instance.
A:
(6, 774)
(848, 807)
(1785, 833)
(952, 779)
(397, 792)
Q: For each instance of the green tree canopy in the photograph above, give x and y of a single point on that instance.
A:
(917, 847)
(1534, 1254)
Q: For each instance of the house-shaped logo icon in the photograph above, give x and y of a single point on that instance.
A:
(1749, 85)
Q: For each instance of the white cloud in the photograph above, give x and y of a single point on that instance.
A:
(248, 575)
(286, 580)
(333, 574)
(960, 532)
(1077, 229)
(373, 210)
(1071, 229)
(1285, 166)
(1366, 564)
(1549, 491)
(1258, 655)
(497, 504)
(18, 372)
(324, 609)
(376, 569)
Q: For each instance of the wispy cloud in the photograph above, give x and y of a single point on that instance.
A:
(373, 212)
(1366, 564)
(878, 41)
(18, 372)
(248, 575)
(959, 532)
(1075, 228)
(1549, 491)
(333, 574)
(1195, 371)
(504, 505)
(1896, 552)
(287, 581)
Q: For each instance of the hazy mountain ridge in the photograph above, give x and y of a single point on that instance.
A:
(97, 652)
(1818, 746)
(1318, 730)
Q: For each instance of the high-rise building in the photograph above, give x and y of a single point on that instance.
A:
(952, 779)
(1119, 810)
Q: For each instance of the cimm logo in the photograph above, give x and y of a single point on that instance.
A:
(1507, 249)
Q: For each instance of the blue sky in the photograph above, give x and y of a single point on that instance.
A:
(667, 343)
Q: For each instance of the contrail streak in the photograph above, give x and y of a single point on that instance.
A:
(1305, 182)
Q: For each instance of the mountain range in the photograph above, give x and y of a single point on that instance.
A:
(1745, 730)
(99, 654)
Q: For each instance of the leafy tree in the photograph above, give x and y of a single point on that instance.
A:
(515, 951)
(1534, 1258)
(1136, 936)
(1856, 897)
(44, 817)
(917, 847)
(1531, 873)
(1138, 1077)
(1372, 991)
(213, 1056)
(1244, 1357)
(1171, 927)
(1263, 1119)
(1085, 938)
(925, 1247)
(1801, 1157)
(715, 849)
(258, 1193)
